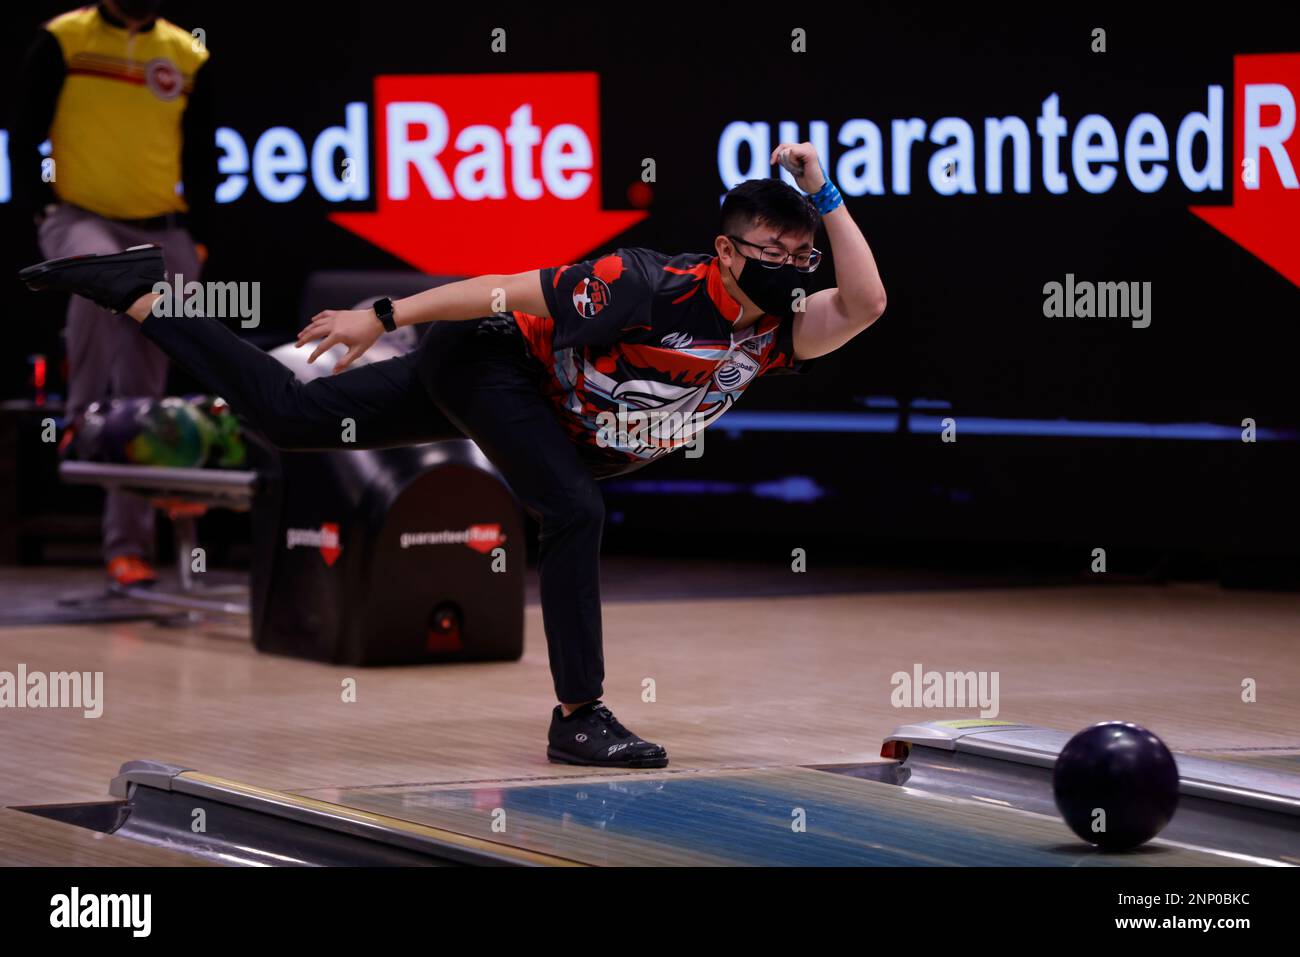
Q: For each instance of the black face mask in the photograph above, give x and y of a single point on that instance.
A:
(772, 290)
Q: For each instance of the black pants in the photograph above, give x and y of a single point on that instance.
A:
(467, 378)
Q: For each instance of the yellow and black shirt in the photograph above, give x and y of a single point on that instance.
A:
(129, 118)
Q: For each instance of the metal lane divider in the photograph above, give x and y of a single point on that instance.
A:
(1262, 788)
(140, 779)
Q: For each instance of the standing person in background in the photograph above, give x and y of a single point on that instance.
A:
(124, 98)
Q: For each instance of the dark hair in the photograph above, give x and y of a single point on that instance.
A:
(770, 202)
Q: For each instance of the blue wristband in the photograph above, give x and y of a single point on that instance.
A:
(827, 198)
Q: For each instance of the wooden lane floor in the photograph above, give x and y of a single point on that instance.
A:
(757, 682)
(739, 683)
(750, 817)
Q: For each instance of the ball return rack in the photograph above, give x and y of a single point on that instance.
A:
(183, 495)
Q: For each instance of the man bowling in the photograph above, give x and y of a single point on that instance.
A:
(670, 342)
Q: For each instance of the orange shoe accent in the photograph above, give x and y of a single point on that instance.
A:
(128, 570)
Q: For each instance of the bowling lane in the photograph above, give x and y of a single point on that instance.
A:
(748, 817)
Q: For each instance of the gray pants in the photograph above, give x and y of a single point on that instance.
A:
(108, 357)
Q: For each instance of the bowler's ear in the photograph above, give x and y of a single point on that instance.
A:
(725, 249)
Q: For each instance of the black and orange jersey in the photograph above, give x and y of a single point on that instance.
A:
(642, 351)
(128, 116)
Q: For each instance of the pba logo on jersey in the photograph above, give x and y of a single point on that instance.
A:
(163, 79)
(590, 296)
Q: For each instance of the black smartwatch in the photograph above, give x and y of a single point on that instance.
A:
(384, 310)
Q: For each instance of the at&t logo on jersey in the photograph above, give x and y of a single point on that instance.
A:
(736, 372)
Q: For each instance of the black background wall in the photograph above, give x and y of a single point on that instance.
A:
(965, 273)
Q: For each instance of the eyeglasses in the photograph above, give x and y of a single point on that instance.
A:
(774, 257)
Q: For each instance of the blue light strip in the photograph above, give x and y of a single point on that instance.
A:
(736, 422)
(739, 422)
(1067, 428)
(792, 488)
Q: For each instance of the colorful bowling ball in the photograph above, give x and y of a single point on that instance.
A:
(208, 426)
(1116, 785)
(227, 448)
(107, 429)
(173, 437)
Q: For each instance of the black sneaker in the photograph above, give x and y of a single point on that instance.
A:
(592, 736)
(111, 280)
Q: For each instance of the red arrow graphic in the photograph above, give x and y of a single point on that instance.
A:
(1264, 220)
(488, 173)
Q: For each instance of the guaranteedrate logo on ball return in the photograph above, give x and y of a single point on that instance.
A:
(522, 151)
